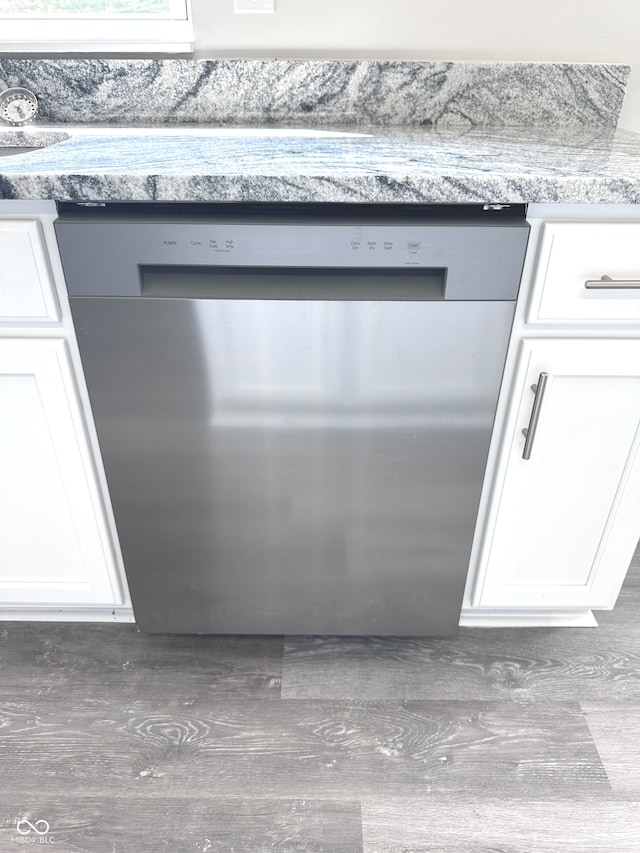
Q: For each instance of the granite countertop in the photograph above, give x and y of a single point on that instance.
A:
(354, 132)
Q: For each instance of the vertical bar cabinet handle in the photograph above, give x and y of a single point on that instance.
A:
(530, 431)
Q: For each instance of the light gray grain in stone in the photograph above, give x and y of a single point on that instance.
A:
(379, 165)
(246, 91)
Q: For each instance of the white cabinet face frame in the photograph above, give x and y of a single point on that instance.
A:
(27, 289)
(54, 545)
(552, 544)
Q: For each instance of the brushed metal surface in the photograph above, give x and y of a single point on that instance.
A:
(605, 282)
(530, 431)
(294, 466)
(483, 260)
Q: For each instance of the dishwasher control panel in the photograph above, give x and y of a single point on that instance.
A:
(481, 255)
(294, 244)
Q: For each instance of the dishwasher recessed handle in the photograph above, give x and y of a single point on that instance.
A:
(608, 283)
(530, 432)
(356, 284)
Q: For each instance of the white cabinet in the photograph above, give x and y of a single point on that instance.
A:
(52, 548)
(59, 556)
(568, 518)
(557, 531)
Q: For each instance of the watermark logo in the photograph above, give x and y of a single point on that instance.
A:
(24, 827)
(32, 832)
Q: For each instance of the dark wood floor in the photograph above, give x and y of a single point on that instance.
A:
(498, 740)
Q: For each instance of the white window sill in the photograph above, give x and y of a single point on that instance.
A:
(93, 36)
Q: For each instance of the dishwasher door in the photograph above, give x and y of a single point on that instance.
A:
(294, 465)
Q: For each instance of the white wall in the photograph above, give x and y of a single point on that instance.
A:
(516, 30)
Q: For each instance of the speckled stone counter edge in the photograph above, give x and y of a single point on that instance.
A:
(314, 92)
(373, 189)
(383, 164)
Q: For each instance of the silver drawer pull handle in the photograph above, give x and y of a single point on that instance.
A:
(608, 283)
(530, 432)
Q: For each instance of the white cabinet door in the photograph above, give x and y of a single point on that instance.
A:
(54, 547)
(568, 518)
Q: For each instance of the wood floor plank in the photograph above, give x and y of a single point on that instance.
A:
(507, 664)
(134, 825)
(455, 825)
(102, 660)
(622, 621)
(521, 665)
(296, 748)
(615, 728)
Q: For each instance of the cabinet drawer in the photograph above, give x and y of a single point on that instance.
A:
(27, 292)
(573, 253)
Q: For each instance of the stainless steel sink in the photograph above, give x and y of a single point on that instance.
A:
(10, 150)
(15, 141)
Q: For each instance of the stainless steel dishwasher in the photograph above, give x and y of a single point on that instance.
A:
(294, 404)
